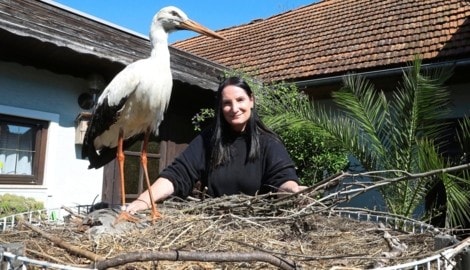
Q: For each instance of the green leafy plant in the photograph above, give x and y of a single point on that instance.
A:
(402, 132)
(200, 118)
(316, 153)
(14, 204)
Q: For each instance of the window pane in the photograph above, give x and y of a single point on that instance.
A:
(153, 168)
(153, 147)
(132, 174)
(16, 148)
(135, 147)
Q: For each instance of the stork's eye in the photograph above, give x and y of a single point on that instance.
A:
(174, 13)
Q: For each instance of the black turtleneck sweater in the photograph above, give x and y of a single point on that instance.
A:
(268, 172)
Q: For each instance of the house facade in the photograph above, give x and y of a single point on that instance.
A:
(54, 61)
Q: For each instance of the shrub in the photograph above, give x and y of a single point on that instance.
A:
(314, 152)
(13, 204)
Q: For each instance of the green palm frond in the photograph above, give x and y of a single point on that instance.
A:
(459, 184)
(362, 102)
(368, 108)
(458, 202)
(346, 131)
(418, 107)
(457, 197)
(463, 137)
(400, 133)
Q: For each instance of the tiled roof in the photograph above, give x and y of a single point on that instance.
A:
(335, 36)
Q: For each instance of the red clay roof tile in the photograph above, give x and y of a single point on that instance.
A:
(337, 36)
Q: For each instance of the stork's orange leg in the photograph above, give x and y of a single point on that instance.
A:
(120, 157)
(144, 161)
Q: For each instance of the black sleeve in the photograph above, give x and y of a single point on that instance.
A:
(279, 167)
(187, 168)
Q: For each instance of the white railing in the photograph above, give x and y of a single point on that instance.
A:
(38, 216)
(10, 262)
(395, 221)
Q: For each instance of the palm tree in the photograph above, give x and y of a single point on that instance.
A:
(389, 131)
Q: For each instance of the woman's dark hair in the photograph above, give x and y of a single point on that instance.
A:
(223, 133)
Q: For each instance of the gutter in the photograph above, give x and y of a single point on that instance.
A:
(379, 73)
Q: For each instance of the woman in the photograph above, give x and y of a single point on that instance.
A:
(238, 154)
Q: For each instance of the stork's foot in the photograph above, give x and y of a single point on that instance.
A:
(126, 216)
(155, 216)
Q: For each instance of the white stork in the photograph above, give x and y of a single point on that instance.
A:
(135, 100)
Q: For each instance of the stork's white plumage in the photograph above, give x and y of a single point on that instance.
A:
(134, 102)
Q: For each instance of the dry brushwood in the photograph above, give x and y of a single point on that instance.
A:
(315, 241)
(265, 231)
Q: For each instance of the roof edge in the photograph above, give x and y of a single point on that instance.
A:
(380, 72)
(94, 18)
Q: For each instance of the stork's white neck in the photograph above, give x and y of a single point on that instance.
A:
(158, 41)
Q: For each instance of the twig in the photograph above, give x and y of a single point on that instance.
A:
(45, 256)
(179, 235)
(247, 220)
(72, 212)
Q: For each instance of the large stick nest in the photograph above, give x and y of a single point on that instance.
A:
(234, 232)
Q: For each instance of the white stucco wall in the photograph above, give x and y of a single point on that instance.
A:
(33, 93)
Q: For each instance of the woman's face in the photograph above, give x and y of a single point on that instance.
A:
(236, 107)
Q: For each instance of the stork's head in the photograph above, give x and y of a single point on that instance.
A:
(172, 19)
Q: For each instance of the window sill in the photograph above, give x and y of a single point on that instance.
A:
(16, 187)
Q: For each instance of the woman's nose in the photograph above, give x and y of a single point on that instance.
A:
(234, 108)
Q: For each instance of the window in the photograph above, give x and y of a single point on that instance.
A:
(22, 150)
(133, 173)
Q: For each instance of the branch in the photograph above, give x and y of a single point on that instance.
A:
(348, 193)
(195, 256)
(59, 242)
(72, 213)
(408, 175)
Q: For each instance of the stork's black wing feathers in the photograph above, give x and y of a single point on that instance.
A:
(103, 117)
(106, 154)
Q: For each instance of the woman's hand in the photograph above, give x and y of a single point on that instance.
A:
(291, 186)
(137, 205)
(161, 189)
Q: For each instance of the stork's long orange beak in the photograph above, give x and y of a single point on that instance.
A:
(196, 27)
